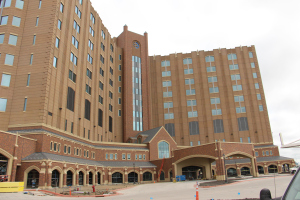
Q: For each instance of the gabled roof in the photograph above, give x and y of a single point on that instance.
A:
(68, 159)
(150, 134)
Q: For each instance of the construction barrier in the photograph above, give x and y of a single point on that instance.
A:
(6, 187)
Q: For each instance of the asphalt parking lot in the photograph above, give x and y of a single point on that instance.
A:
(247, 188)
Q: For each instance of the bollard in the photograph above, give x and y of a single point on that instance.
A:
(70, 191)
(197, 193)
(93, 188)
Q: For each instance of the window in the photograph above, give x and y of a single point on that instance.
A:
(19, 4)
(215, 100)
(167, 83)
(243, 124)
(254, 75)
(250, 55)
(5, 81)
(194, 128)
(59, 24)
(91, 17)
(256, 85)
(7, 3)
(40, 4)
(73, 59)
(217, 112)
(120, 57)
(1, 38)
(163, 150)
(209, 59)
(192, 114)
(70, 99)
(90, 59)
(166, 73)
(232, 56)
(169, 115)
(28, 80)
(111, 71)
(187, 61)
(235, 77)
(120, 67)
(168, 94)
(170, 127)
(256, 153)
(3, 20)
(72, 76)
(212, 79)
(89, 73)
(111, 83)
(3, 103)
(165, 63)
(267, 153)
(16, 21)
(100, 117)
(110, 107)
(57, 42)
(91, 45)
(100, 99)
(190, 92)
(214, 90)
(188, 71)
(72, 124)
(263, 153)
(102, 59)
(61, 8)
(252, 65)
(101, 85)
(119, 113)
(31, 59)
(102, 46)
(101, 72)
(54, 62)
(241, 140)
(168, 105)
(103, 34)
(110, 94)
(25, 104)
(120, 101)
(87, 113)
(237, 87)
(239, 98)
(66, 125)
(111, 59)
(234, 67)
(260, 107)
(218, 126)
(37, 21)
(240, 109)
(75, 42)
(249, 140)
(88, 89)
(9, 59)
(65, 149)
(140, 157)
(189, 81)
(191, 103)
(76, 26)
(191, 143)
(199, 143)
(80, 1)
(258, 96)
(128, 156)
(77, 11)
(13, 40)
(271, 153)
(123, 156)
(92, 32)
(34, 39)
(106, 156)
(110, 124)
(120, 78)
(211, 69)
(89, 134)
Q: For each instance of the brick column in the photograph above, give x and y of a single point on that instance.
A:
(220, 169)
(42, 176)
(49, 176)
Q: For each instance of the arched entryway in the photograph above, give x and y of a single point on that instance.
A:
(231, 172)
(132, 177)
(147, 176)
(55, 178)
(99, 178)
(162, 176)
(91, 178)
(193, 172)
(260, 170)
(245, 171)
(69, 178)
(81, 178)
(33, 179)
(117, 177)
(3, 164)
(272, 169)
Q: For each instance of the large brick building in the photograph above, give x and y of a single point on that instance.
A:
(79, 107)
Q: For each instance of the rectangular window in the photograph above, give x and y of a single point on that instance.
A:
(110, 124)
(252, 65)
(254, 75)
(88, 89)
(123, 156)
(120, 67)
(3, 20)
(261, 108)
(190, 92)
(75, 42)
(37, 21)
(169, 115)
(192, 114)
(78, 12)
(103, 34)
(102, 46)
(267, 153)
(101, 85)
(102, 59)
(9, 59)
(119, 89)
(92, 32)
(189, 81)
(110, 94)
(101, 72)
(3, 103)
(234, 67)
(92, 17)
(76, 26)
(111, 59)
(256, 86)
(258, 96)
(73, 59)
(19, 4)
(237, 87)
(100, 117)
(199, 143)
(239, 98)
(166, 73)
(232, 56)
(120, 101)
(13, 40)
(216, 112)
(100, 99)
(25, 104)
(191, 143)
(59, 24)
(235, 77)
(66, 125)
(89, 134)
(40, 4)
(128, 156)
(168, 105)
(34, 39)
(188, 71)
(215, 100)
(70, 99)
(187, 61)
(240, 109)
(89, 73)
(111, 71)
(90, 58)
(212, 79)
(249, 140)
(209, 59)
(241, 139)
(28, 80)
(1, 38)
(190, 103)
(256, 153)
(168, 94)
(87, 113)
(54, 62)
(91, 45)
(72, 76)
(31, 59)
(263, 153)
(214, 90)
(111, 83)
(165, 63)
(119, 113)
(110, 107)
(250, 55)
(271, 153)
(5, 81)
(16, 21)
(57, 42)
(61, 8)
(211, 69)
(72, 124)
(7, 3)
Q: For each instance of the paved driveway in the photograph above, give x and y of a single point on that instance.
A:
(249, 188)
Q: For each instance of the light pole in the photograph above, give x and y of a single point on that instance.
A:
(133, 173)
(226, 181)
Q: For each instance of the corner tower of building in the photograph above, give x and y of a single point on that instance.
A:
(136, 84)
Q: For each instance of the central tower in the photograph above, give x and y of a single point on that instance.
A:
(136, 84)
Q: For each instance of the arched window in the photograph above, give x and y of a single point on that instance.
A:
(163, 150)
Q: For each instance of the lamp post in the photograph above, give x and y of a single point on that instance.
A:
(226, 181)
(133, 173)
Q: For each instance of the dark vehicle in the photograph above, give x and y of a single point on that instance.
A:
(292, 192)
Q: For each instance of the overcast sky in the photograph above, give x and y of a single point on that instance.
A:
(187, 25)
